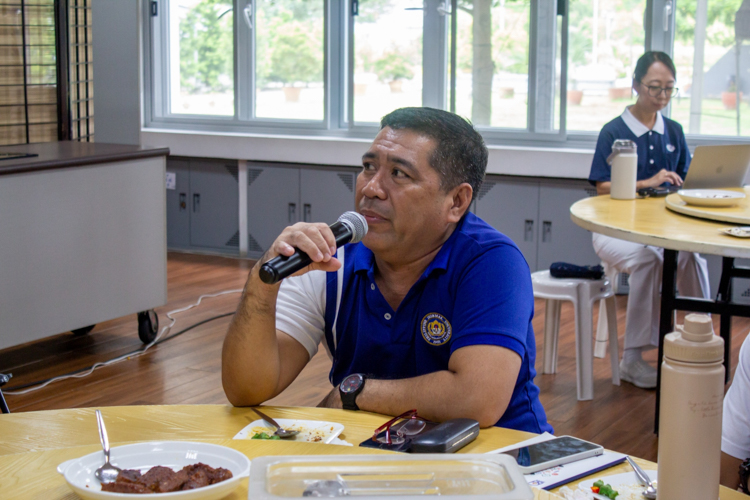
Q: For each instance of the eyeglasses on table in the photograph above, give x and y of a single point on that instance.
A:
(399, 428)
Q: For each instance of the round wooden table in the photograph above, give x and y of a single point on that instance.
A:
(33, 444)
(648, 221)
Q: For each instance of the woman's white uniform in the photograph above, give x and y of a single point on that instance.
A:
(663, 146)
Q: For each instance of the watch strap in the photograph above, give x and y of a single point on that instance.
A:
(745, 476)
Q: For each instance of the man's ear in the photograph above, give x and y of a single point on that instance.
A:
(461, 197)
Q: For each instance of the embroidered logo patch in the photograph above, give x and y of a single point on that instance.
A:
(436, 330)
(670, 148)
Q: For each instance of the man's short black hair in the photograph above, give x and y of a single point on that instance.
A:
(460, 154)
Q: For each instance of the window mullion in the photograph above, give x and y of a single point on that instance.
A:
(335, 66)
(659, 24)
(434, 54)
(244, 74)
(351, 6)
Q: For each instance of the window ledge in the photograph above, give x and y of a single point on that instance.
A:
(343, 151)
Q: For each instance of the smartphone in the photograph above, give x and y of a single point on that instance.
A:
(557, 451)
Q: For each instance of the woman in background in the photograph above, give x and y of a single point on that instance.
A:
(663, 160)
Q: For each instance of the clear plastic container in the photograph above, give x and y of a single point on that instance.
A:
(478, 477)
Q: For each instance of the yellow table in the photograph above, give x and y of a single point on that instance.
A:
(33, 444)
(648, 221)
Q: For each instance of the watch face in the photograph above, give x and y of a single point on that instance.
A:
(351, 383)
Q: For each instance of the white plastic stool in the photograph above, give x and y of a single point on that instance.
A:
(582, 293)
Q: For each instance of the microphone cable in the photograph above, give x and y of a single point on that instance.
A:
(83, 372)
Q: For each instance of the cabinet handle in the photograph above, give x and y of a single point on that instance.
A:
(292, 213)
(546, 231)
(528, 230)
(196, 202)
(183, 202)
(306, 212)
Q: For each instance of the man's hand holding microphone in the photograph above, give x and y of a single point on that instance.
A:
(311, 246)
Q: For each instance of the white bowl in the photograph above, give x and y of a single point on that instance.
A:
(79, 472)
(710, 197)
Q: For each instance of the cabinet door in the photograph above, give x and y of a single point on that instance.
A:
(511, 207)
(560, 239)
(213, 203)
(326, 194)
(272, 205)
(178, 213)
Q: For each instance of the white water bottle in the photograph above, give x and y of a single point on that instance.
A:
(692, 392)
(624, 169)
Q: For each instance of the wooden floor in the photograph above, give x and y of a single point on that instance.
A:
(187, 369)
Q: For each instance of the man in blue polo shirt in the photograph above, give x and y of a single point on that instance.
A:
(432, 310)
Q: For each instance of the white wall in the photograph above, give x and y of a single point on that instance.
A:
(505, 160)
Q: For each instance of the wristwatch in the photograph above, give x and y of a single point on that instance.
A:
(744, 476)
(349, 389)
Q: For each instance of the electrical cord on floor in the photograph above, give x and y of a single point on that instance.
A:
(17, 391)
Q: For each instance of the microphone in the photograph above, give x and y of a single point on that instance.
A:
(351, 227)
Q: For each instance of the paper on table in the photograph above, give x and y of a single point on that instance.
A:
(562, 474)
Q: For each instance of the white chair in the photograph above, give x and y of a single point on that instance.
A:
(582, 293)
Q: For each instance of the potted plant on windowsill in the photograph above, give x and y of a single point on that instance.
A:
(729, 96)
(574, 96)
(393, 68)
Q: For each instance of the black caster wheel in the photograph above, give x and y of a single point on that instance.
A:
(148, 326)
(83, 331)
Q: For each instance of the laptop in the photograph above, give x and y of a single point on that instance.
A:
(718, 167)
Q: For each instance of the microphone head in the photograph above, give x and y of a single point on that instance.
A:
(356, 223)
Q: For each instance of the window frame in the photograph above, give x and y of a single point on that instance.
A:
(436, 89)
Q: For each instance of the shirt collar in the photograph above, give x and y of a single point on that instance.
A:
(637, 127)
(365, 259)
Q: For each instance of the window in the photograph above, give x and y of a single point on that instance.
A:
(244, 60)
(606, 39)
(28, 80)
(493, 62)
(289, 50)
(539, 71)
(708, 36)
(46, 81)
(387, 57)
(201, 57)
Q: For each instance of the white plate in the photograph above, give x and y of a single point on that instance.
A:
(739, 232)
(313, 431)
(79, 472)
(625, 484)
(710, 197)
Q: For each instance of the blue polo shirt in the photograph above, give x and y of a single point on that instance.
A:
(476, 291)
(664, 146)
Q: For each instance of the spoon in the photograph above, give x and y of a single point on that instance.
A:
(650, 491)
(282, 433)
(107, 473)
